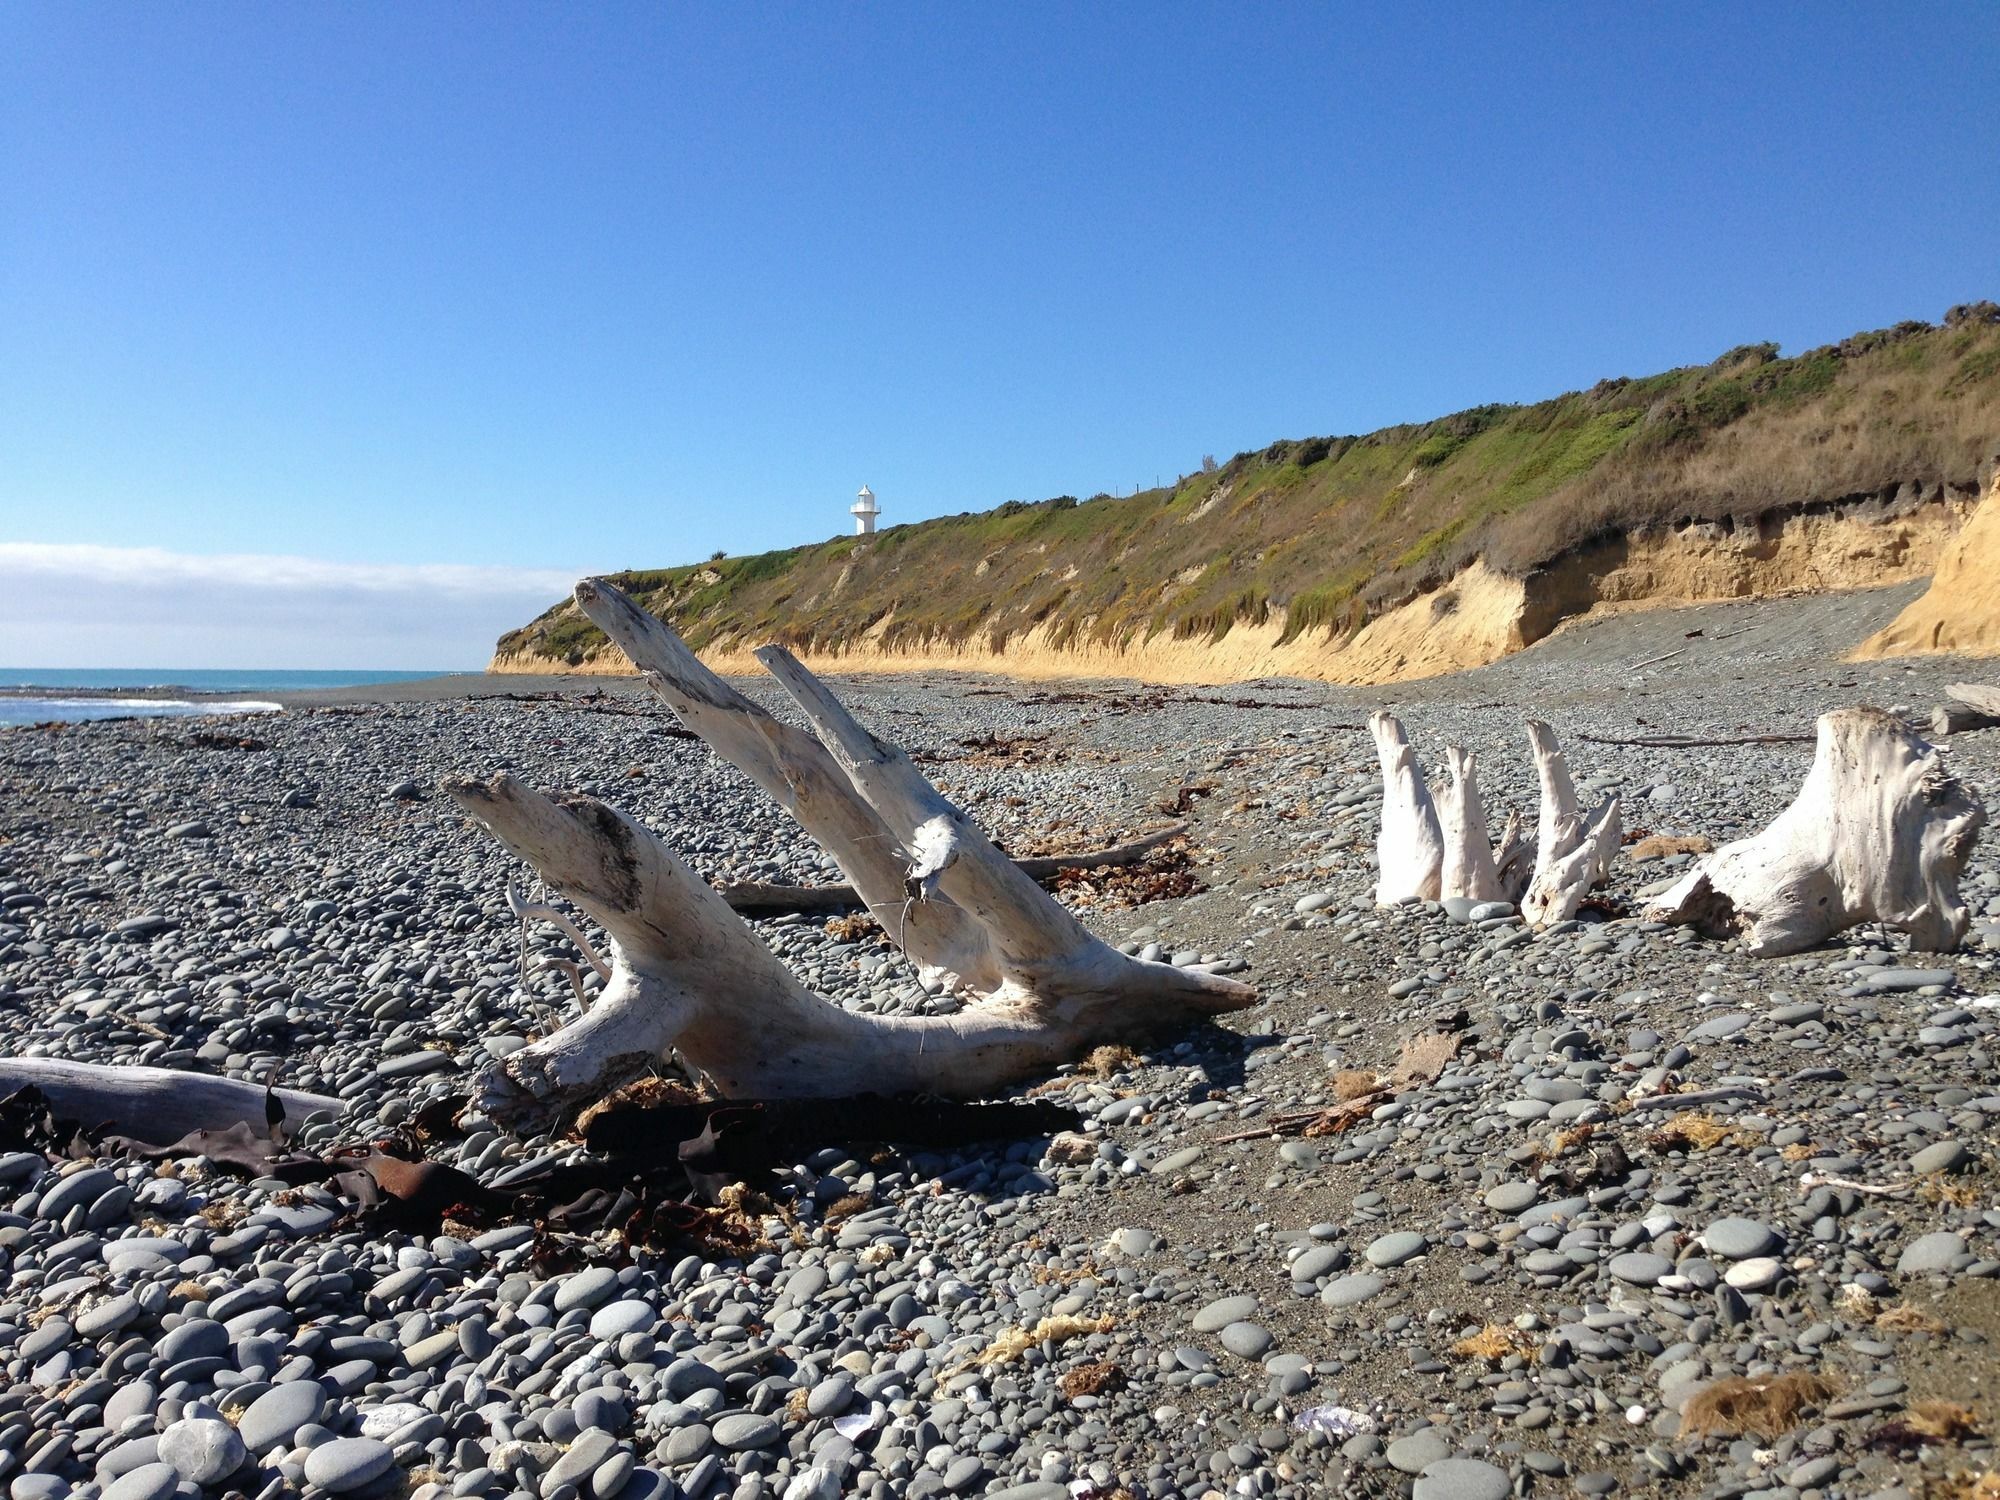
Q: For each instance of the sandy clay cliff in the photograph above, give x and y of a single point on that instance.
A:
(1421, 549)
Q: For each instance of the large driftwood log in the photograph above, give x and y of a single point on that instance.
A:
(157, 1105)
(688, 976)
(1877, 833)
(1410, 848)
(1980, 697)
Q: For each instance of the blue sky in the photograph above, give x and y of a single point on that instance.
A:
(552, 289)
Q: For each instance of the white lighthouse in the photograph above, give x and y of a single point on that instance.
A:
(865, 511)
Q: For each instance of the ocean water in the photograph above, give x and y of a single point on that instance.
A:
(37, 695)
(195, 680)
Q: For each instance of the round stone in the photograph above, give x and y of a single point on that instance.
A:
(1246, 1340)
(1395, 1249)
(615, 1319)
(1462, 1479)
(1418, 1451)
(743, 1430)
(1512, 1197)
(348, 1463)
(202, 1450)
(1320, 1260)
(586, 1288)
(198, 1338)
(381, 1421)
(1350, 1291)
(147, 1482)
(1943, 1156)
(1640, 1267)
(271, 1420)
(1756, 1274)
(1932, 1254)
(1740, 1239)
(1220, 1313)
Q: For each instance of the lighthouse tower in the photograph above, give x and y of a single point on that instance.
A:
(865, 511)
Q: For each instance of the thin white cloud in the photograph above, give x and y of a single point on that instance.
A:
(82, 605)
(157, 567)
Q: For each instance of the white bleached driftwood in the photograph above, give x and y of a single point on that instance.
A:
(1410, 848)
(1573, 853)
(1561, 884)
(1469, 869)
(1980, 697)
(158, 1105)
(1553, 834)
(688, 976)
(1878, 833)
(790, 766)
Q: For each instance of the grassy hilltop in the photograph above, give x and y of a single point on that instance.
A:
(1323, 533)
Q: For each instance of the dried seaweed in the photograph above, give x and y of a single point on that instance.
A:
(1925, 1425)
(1016, 1342)
(1098, 1379)
(1495, 1342)
(1769, 1407)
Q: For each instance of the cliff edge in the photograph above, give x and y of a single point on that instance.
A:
(1406, 552)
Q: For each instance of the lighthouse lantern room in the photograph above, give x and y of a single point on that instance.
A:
(865, 510)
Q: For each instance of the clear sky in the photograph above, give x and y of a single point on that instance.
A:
(524, 291)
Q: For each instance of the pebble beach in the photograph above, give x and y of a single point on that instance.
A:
(1519, 1275)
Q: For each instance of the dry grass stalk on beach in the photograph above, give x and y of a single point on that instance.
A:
(1770, 1406)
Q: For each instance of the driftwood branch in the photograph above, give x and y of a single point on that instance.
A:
(156, 1105)
(690, 977)
(764, 898)
(1691, 741)
(1878, 833)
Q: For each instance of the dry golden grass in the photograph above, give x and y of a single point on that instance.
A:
(1016, 1342)
(1070, 1149)
(1903, 1318)
(1355, 1083)
(1109, 1060)
(1964, 1485)
(1956, 1192)
(1693, 1131)
(1096, 1379)
(1495, 1342)
(1947, 1421)
(1660, 845)
(1769, 1407)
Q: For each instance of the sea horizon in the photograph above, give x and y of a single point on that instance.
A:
(42, 695)
(211, 679)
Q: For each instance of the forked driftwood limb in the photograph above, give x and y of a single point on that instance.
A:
(765, 898)
(1877, 833)
(690, 976)
(1432, 849)
(1573, 853)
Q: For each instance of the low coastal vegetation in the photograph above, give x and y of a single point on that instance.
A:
(1325, 533)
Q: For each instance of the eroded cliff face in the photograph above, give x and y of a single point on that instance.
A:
(1481, 615)
(1960, 612)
